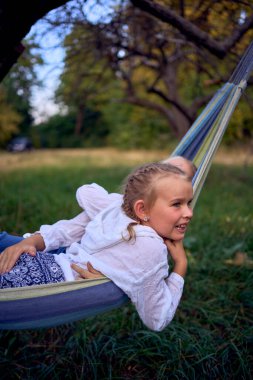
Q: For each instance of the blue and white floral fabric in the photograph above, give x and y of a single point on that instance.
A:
(30, 270)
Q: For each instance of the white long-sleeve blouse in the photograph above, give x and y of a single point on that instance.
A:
(139, 266)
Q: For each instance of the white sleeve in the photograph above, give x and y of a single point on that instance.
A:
(64, 232)
(158, 299)
(94, 198)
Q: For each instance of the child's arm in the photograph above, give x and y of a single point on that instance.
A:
(93, 199)
(11, 254)
(64, 232)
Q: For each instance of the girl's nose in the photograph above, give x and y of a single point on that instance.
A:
(188, 212)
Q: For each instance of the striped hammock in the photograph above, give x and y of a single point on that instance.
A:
(53, 304)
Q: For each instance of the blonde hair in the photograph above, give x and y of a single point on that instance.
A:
(141, 184)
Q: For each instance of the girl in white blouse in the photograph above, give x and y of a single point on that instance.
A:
(128, 242)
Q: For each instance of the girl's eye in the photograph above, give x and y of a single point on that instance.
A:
(176, 204)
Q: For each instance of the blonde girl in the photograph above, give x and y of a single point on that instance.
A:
(128, 242)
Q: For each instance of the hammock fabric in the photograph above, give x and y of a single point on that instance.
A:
(53, 304)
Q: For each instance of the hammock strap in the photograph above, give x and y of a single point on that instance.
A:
(192, 141)
(207, 152)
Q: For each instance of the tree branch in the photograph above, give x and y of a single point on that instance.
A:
(191, 31)
(151, 105)
(180, 107)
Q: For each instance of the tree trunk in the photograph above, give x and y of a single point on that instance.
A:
(181, 120)
(79, 121)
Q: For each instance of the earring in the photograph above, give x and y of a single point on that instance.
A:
(146, 219)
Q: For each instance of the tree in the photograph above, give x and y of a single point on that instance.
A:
(18, 86)
(57, 132)
(86, 76)
(168, 53)
(161, 69)
(9, 119)
(194, 31)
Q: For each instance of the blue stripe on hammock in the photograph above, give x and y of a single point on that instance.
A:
(53, 310)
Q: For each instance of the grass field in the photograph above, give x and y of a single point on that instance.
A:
(211, 336)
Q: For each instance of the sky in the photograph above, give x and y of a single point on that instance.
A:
(43, 96)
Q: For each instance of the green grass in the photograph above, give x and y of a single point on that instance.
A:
(211, 335)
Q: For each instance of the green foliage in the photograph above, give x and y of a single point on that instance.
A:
(240, 127)
(57, 132)
(116, 124)
(211, 335)
(18, 86)
(135, 128)
(9, 119)
(15, 96)
(86, 77)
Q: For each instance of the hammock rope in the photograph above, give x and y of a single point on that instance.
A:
(53, 304)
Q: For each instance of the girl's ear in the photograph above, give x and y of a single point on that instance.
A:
(139, 209)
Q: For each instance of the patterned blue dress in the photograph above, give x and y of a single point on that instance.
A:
(32, 270)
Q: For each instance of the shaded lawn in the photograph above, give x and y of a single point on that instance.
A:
(211, 336)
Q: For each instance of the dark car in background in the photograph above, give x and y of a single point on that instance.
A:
(20, 144)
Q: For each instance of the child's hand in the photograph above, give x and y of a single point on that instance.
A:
(176, 249)
(177, 253)
(10, 255)
(90, 272)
